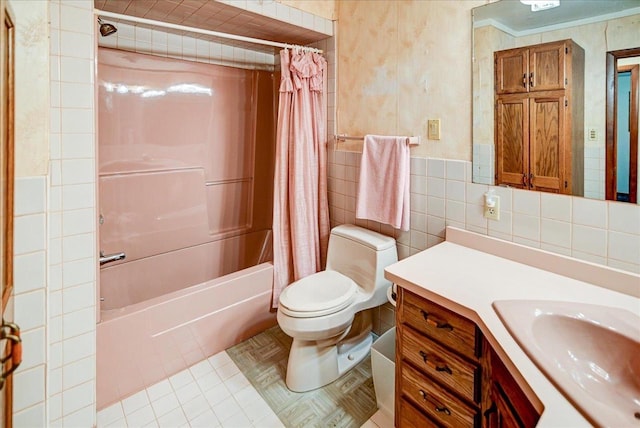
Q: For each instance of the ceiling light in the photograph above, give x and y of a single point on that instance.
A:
(537, 5)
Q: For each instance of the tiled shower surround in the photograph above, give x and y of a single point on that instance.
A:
(442, 194)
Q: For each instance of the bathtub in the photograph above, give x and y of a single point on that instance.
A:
(143, 343)
(188, 199)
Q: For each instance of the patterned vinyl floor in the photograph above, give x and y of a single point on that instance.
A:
(348, 402)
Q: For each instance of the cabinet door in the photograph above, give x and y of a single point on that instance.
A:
(547, 67)
(546, 143)
(501, 414)
(512, 68)
(512, 141)
(508, 404)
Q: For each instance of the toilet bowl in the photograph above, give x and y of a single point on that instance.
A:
(323, 312)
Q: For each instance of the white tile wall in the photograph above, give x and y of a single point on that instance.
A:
(30, 302)
(143, 40)
(72, 217)
(441, 194)
(483, 164)
(594, 170)
(285, 13)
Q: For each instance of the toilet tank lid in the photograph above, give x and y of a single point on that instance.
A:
(363, 236)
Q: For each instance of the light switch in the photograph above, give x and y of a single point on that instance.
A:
(433, 129)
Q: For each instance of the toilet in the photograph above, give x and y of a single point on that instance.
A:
(323, 312)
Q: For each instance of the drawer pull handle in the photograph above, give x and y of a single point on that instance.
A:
(433, 364)
(438, 407)
(430, 319)
(444, 368)
(443, 410)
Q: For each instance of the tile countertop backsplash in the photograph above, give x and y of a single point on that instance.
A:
(442, 194)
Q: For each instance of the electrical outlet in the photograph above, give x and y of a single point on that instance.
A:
(493, 213)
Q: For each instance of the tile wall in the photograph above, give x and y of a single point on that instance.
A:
(483, 163)
(30, 280)
(442, 194)
(594, 171)
(319, 22)
(72, 216)
(161, 43)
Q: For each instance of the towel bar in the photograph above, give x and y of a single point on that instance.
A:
(413, 141)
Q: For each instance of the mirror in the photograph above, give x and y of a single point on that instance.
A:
(598, 27)
(621, 174)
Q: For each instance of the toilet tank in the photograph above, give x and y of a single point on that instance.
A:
(362, 255)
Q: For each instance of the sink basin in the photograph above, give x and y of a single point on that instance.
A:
(590, 352)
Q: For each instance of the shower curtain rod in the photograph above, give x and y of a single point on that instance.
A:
(105, 14)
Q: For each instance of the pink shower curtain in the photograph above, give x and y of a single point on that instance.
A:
(300, 209)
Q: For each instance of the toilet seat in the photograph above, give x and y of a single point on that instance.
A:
(319, 294)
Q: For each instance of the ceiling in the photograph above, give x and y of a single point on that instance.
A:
(518, 17)
(214, 16)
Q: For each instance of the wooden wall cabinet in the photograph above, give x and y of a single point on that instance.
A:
(539, 120)
(448, 375)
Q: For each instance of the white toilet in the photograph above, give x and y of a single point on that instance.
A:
(323, 312)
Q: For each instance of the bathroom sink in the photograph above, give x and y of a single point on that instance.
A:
(590, 352)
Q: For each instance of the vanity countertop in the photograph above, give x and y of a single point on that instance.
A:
(468, 272)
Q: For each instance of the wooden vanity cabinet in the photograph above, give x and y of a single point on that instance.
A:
(539, 135)
(448, 375)
(438, 371)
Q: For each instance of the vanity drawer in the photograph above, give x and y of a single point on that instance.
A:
(442, 364)
(410, 417)
(441, 324)
(440, 405)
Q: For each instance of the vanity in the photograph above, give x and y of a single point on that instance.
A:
(483, 326)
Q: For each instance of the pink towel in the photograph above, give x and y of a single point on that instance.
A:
(383, 190)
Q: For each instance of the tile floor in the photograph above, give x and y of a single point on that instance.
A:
(346, 403)
(212, 393)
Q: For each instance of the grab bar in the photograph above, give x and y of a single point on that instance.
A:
(111, 257)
